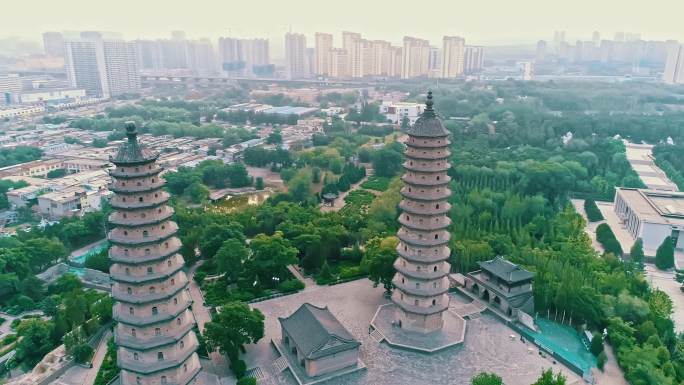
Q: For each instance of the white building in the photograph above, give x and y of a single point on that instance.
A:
(396, 111)
(651, 215)
(323, 43)
(674, 66)
(102, 67)
(10, 87)
(453, 56)
(473, 59)
(295, 55)
(415, 57)
(20, 112)
(52, 95)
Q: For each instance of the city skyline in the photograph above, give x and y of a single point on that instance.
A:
(514, 24)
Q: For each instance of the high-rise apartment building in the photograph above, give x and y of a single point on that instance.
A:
(381, 51)
(434, 62)
(295, 55)
(323, 45)
(415, 57)
(10, 88)
(120, 67)
(339, 63)
(201, 57)
(174, 53)
(453, 56)
(473, 59)
(309, 62)
(541, 51)
(53, 44)
(103, 68)
(149, 55)
(154, 336)
(351, 45)
(674, 66)
(395, 62)
(244, 57)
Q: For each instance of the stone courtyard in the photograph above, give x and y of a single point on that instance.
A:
(489, 345)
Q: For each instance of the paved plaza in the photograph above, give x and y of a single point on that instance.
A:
(489, 345)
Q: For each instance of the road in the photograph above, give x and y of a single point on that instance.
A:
(78, 375)
(5, 327)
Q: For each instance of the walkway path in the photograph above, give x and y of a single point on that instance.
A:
(339, 202)
(611, 374)
(220, 365)
(308, 282)
(640, 156)
(590, 228)
(6, 327)
(664, 280)
(79, 375)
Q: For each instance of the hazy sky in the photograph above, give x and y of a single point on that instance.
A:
(479, 21)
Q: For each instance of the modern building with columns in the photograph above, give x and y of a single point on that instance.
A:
(421, 270)
(156, 344)
(651, 215)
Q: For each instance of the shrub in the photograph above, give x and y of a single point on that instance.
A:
(601, 361)
(596, 344)
(592, 211)
(82, 353)
(606, 237)
(291, 285)
(665, 254)
(239, 367)
(247, 381)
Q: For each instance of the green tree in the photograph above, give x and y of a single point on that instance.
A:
(233, 326)
(379, 260)
(596, 344)
(270, 257)
(196, 192)
(230, 257)
(592, 211)
(547, 378)
(35, 341)
(259, 183)
(486, 379)
(299, 187)
(275, 137)
(665, 254)
(636, 254)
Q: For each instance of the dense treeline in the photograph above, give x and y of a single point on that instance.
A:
(18, 154)
(192, 182)
(669, 159)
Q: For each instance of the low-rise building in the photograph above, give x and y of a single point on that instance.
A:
(318, 341)
(20, 111)
(651, 215)
(77, 165)
(32, 169)
(396, 111)
(52, 95)
(71, 201)
(504, 286)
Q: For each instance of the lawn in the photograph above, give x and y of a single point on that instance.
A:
(377, 183)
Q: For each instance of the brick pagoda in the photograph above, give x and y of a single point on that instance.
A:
(156, 343)
(421, 280)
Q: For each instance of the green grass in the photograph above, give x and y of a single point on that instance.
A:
(377, 183)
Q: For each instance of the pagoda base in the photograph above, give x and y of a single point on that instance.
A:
(384, 328)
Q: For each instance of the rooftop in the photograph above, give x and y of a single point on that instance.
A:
(131, 151)
(316, 332)
(655, 206)
(508, 271)
(66, 195)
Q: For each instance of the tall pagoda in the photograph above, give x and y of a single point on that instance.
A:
(156, 343)
(421, 280)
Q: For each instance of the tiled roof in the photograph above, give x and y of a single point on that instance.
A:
(131, 151)
(428, 125)
(316, 332)
(506, 270)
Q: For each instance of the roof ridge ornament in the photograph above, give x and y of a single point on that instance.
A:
(429, 111)
(131, 132)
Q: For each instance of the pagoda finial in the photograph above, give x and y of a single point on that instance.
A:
(131, 133)
(429, 112)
